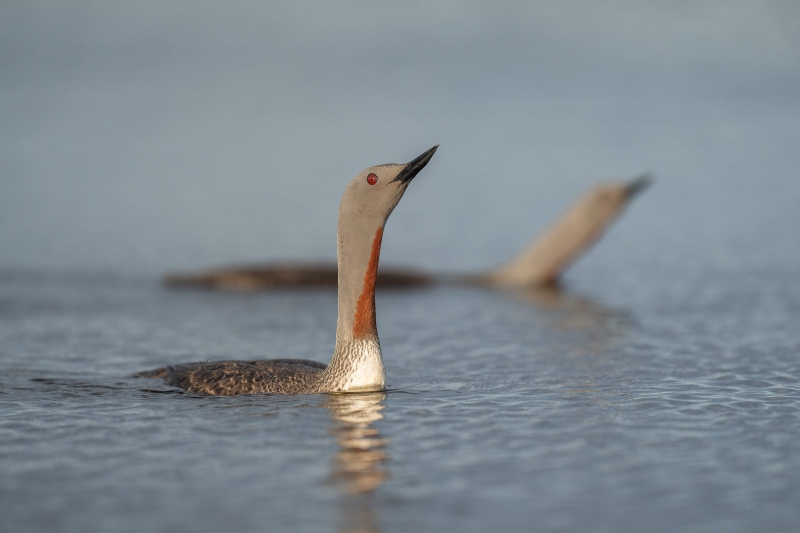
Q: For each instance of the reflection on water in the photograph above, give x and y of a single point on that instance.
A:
(359, 466)
(582, 328)
(563, 310)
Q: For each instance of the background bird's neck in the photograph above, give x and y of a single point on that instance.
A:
(544, 260)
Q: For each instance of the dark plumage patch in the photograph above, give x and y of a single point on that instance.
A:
(228, 378)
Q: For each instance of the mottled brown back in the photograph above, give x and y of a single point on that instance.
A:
(228, 378)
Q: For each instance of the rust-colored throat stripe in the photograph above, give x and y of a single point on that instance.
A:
(364, 322)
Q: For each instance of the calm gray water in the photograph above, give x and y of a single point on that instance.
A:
(659, 391)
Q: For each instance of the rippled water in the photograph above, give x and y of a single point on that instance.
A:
(658, 391)
(551, 411)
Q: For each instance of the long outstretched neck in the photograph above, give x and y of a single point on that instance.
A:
(366, 204)
(542, 261)
(357, 362)
(580, 226)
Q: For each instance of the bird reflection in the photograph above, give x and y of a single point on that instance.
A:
(569, 312)
(359, 466)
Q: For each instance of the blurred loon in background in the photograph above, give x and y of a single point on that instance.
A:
(539, 264)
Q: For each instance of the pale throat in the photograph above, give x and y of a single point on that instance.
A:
(365, 370)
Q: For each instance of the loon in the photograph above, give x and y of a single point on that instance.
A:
(540, 264)
(357, 362)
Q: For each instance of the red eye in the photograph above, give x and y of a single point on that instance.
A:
(372, 179)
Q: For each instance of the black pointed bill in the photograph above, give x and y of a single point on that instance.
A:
(413, 168)
(639, 184)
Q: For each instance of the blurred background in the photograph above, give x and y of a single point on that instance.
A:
(141, 137)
